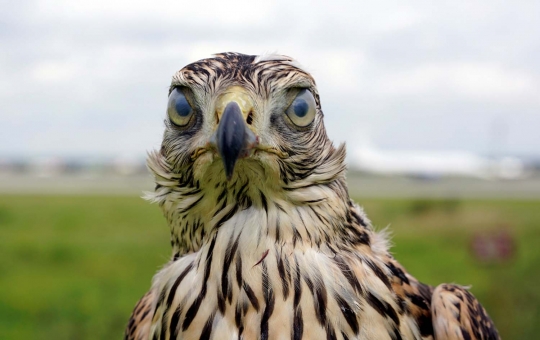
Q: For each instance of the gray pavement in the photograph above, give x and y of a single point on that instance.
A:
(359, 186)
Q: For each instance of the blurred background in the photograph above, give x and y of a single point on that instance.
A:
(439, 104)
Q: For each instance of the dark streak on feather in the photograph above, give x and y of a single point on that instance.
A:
(174, 287)
(378, 271)
(251, 296)
(194, 308)
(348, 313)
(382, 307)
(283, 277)
(207, 330)
(269, 299)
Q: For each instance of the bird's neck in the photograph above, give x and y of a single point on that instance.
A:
(259, 207)
(316, 216)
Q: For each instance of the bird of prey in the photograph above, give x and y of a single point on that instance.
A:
(266, 242)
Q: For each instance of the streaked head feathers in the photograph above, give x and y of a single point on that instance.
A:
(290, 151)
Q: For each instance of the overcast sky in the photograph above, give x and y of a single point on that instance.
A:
(90, 78)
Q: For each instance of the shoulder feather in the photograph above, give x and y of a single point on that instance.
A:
(138, 327)
(457, 314)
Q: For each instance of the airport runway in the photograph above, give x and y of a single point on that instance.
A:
(359, 186)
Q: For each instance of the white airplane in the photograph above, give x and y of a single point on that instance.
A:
(424, 164)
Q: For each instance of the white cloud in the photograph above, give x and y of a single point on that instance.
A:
(50, 72)
(468, 79)
(409, 74)
(237, 13)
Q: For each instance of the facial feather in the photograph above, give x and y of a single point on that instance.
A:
(306, 155)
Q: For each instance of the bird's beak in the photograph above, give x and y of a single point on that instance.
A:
(233, 139)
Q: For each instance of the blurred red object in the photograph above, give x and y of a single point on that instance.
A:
(493, 247)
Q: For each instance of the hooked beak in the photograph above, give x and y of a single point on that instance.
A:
(233, 139)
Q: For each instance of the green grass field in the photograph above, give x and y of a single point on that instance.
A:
(73, 267)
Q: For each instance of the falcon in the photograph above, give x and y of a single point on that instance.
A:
(266, 242)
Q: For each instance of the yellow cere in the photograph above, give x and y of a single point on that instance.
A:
(237, 94)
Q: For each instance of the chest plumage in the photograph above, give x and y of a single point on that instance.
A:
(239, 286)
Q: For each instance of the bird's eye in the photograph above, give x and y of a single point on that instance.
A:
(178, 109)
(302, 110)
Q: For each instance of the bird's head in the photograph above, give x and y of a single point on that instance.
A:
(244, 132)
(237, 120)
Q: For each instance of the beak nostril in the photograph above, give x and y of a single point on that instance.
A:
(249, 118)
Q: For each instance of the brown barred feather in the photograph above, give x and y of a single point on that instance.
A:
(458, 315)
(138, 327)
(278, 251)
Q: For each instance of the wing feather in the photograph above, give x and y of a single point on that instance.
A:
(458, 315)
(138, 327)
